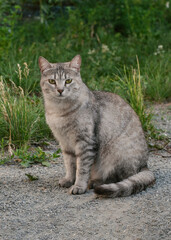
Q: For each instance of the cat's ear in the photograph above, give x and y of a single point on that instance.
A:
(76, 63)
(43, 64)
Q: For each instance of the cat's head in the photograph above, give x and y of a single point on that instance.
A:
(60, 80)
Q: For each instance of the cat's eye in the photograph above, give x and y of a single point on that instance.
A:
(68, 81)
(52, 81)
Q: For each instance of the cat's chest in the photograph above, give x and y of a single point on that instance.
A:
(63, 128)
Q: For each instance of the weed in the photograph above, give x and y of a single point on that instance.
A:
(26, 158)
(20, 115)
(23, 80)
(130, 88)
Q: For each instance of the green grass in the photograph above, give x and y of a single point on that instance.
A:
(129, 86)
(157, 78)
(21, 116)
(107, 38)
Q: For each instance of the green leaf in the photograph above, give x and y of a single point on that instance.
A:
(31, 177)
(25, 164)
(46, 164)
(55, 155)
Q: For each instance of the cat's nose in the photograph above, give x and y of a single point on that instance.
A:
(60, 91)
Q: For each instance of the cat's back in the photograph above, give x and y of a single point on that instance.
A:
(113, 107)
(115, 114)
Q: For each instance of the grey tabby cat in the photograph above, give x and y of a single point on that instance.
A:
(100, 135)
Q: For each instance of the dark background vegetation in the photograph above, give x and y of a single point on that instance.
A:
(124, 44)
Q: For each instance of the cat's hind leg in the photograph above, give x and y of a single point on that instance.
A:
(94, 183)
(95, 177)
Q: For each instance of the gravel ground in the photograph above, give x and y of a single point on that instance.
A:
(40, 210)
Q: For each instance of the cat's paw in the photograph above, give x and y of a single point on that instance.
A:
(77, 189)
(64, 182)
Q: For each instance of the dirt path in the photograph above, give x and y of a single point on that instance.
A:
(40, 210)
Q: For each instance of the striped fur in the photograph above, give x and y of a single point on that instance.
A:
(100, 135)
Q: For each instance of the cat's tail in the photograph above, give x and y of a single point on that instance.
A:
(131, 185)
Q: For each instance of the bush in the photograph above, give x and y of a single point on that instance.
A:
(9, 16)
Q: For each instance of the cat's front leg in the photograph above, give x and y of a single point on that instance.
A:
(70, 166)
(85, 158)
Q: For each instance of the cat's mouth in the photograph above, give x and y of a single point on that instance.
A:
(61, 96)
